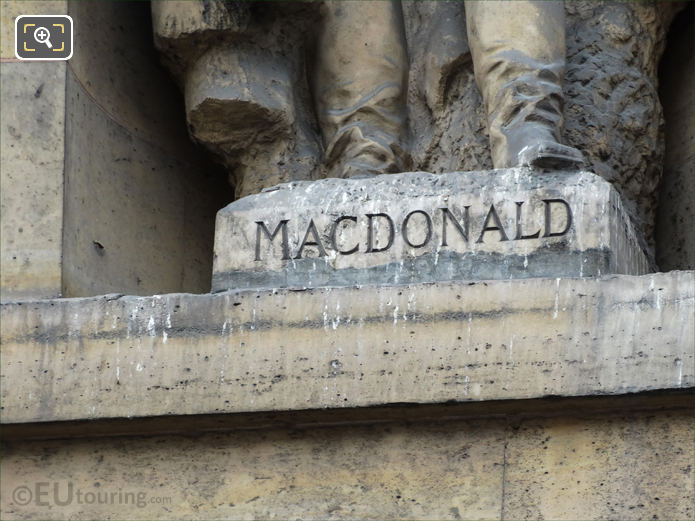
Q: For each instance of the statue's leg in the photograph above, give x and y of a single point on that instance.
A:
(518, 50)
(360, 87)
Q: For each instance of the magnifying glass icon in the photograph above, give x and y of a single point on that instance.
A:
(42, 35)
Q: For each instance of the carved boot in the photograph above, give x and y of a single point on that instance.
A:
(360, 87)
(518, 53)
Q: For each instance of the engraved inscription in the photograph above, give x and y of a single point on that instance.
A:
(261, 227)
(377, 232)
(334, 229)
(428, 225)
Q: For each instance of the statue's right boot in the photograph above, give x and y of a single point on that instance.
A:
(360, 88)
(518, 53)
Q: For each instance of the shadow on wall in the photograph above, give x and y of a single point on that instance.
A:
(675, 225)
(140, 198)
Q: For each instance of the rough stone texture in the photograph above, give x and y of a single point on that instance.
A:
(243, 72)
(345, 347)
(447, 116)
(625, 466)
(612, 111)
(426, 246)
(138, 218)
(31, 186)
(675, 237)
(179, 26)
(615, 464)
(116, 357)
(240, 105)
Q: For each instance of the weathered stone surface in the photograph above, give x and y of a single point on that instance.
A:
(675, 226)
(616, 464)
(284, 351)
(106, 198)
(240, 105)
(184, 29)
(31, 185)
(241, 68)
(424, 471)
(612, 111)
(117, 356)
(139, 202)
(420, 227)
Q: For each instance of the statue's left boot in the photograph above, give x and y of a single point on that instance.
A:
(550, 154)
(518, 53)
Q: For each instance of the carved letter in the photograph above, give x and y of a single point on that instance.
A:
(548, 213)
(462, 230)
(370, 232)
(519, 234)
(428, 235)
(316, 242)
(260, 225)
(335, 229)
(492, 214)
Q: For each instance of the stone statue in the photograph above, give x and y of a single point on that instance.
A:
(359, 80)
(287, 91)
(360, 83)
(518, 53)
(241, 68)
(360, 86)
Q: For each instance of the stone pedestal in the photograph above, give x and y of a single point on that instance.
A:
(421, 227)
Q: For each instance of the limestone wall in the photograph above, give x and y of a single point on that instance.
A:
(632, 460)
(102, 190)
(32, 141)
(139, 203)
(538, 398)
(327, 403)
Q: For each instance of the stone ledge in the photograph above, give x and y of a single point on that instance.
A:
(583, 407)
(278, 350)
